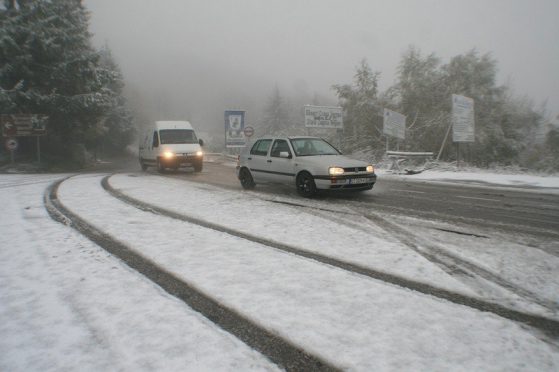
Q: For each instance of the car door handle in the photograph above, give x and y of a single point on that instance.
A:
(269, 161)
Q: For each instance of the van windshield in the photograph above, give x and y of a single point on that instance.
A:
(171, 136)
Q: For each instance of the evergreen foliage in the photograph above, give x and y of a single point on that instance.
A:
(48, 66)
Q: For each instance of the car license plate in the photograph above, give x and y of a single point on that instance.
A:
(358, 180)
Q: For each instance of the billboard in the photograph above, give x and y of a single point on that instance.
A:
(463, 128)
(323, 117)
(394, 124)
(234, 127)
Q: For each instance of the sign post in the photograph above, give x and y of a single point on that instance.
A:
(23, 125)
(463, 126)
(11, 145)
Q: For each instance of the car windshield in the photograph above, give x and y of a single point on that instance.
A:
(313, 147)
(173, 136)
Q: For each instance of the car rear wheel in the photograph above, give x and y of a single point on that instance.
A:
(305, 185)
(247, 182)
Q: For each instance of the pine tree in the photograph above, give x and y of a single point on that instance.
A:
(48, 66)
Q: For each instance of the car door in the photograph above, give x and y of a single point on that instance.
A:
(257, 160)
(280, 162)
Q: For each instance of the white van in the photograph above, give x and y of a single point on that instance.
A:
(171, 144)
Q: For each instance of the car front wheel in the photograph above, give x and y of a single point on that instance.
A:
(305, 185)
(247, 182)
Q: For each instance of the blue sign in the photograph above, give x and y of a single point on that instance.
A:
(234, 127)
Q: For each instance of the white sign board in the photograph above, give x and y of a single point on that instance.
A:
(394, 124)
(323, 117)
(463, 128)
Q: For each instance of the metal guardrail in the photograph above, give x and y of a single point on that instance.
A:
(398, 156)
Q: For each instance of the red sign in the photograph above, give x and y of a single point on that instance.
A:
(11, 144)
(248, 131)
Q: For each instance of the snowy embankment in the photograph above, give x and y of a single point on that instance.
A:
(489, 178)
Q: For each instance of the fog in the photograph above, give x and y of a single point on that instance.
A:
(193, 59)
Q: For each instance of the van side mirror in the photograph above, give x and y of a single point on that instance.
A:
(201, 142)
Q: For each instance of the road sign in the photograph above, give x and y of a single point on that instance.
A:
(248, 131)
(323, 117)
(463, 129)
(22, 125)
(394, 124)
(11, 144)
(234, 126)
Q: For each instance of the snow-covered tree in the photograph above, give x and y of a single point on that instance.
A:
(48, 66)
(362, 124)
(505, 125)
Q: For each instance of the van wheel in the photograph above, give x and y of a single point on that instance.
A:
(305, 185)
(197, 167)
(247, 182)
(160, 167)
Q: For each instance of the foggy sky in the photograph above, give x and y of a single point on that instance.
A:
(196, 58)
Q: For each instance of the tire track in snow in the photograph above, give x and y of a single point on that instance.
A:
(277, 349)
(462, 269)
(546, 325)
(454, 264)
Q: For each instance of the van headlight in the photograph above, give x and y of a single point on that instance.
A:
(335, 171)
(168, 155)
(370, 168)
(199, 153)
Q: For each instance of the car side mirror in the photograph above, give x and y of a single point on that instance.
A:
(201, 142)
(285, 154)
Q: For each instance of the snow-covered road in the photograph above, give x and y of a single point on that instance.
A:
(66, 303)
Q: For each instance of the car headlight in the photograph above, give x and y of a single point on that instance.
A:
(199, 153)
(168, 155)
(335, 171)
(370, 168)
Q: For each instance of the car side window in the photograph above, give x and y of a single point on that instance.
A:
(261, 147)
(279, 146)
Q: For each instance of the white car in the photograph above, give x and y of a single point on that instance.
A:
(310, 163)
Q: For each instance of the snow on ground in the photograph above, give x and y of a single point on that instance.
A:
(324, 233)
(66, 304)
(550, 183)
